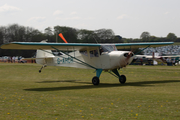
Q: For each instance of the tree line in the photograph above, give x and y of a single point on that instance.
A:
(18, 33)
(146, 37)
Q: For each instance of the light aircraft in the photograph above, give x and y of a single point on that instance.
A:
(154, 56)
(157, 57)
(101, 57)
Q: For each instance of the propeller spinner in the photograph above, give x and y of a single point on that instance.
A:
(128, 56)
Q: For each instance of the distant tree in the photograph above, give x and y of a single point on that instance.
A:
(48, 31)
(18, 33)
(177, 40)
(14, 32)
(70, 34)
(1, 35)
(127, 40)
(118, 39)
(145, 36)
(37, 36)
(86, 36)
(171, 36)
(104, 35)
(153, 39)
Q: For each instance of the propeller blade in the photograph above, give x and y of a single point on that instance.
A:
(128, 56)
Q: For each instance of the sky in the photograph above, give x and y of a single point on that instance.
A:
(127, 18)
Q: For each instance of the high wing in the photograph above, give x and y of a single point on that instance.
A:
(150, 56)
(77, 46)
(49, 46)
(172, 56)
(141, 45)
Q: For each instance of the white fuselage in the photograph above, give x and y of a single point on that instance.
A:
(106, 61)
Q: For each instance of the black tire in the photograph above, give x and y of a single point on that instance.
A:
(122, 80)
(95, 80)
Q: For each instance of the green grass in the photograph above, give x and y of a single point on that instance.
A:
(176, 43)
(151, 92)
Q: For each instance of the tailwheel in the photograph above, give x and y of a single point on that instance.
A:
(42, 68)
(95, 80)
(122, 79)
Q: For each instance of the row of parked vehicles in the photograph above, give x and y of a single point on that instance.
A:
(12, 59)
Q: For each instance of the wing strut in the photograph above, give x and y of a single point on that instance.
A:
(62, 57)
(142, 50)
(116, 73)
(83, 63)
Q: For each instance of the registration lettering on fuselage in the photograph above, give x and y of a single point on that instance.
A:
(64, 60)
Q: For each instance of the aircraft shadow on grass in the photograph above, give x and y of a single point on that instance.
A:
(102, 85)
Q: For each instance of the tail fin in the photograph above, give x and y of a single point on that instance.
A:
(153, 55)
(42, 55)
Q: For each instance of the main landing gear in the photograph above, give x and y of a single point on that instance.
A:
(122, 79)
(96, 81)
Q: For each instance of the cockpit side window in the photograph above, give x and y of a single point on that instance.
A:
(94, 53)
(108, 48)
(84, 52)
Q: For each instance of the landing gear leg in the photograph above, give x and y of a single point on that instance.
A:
(95, 79)
(42, 68)
(122, 78)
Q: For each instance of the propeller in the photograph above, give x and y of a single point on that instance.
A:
(128, 56)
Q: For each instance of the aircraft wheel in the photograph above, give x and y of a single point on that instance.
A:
(95, 80)
(122, 80)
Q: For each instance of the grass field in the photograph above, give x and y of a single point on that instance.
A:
(151, 93)
(176, 43)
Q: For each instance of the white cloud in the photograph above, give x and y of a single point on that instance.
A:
(81, 25)
(74, 13)
(37, 19)
(75, 18)
(57, 12)
(68, 18)
(89, 18)
(166, 13)
(8, 8)
(122, 16)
